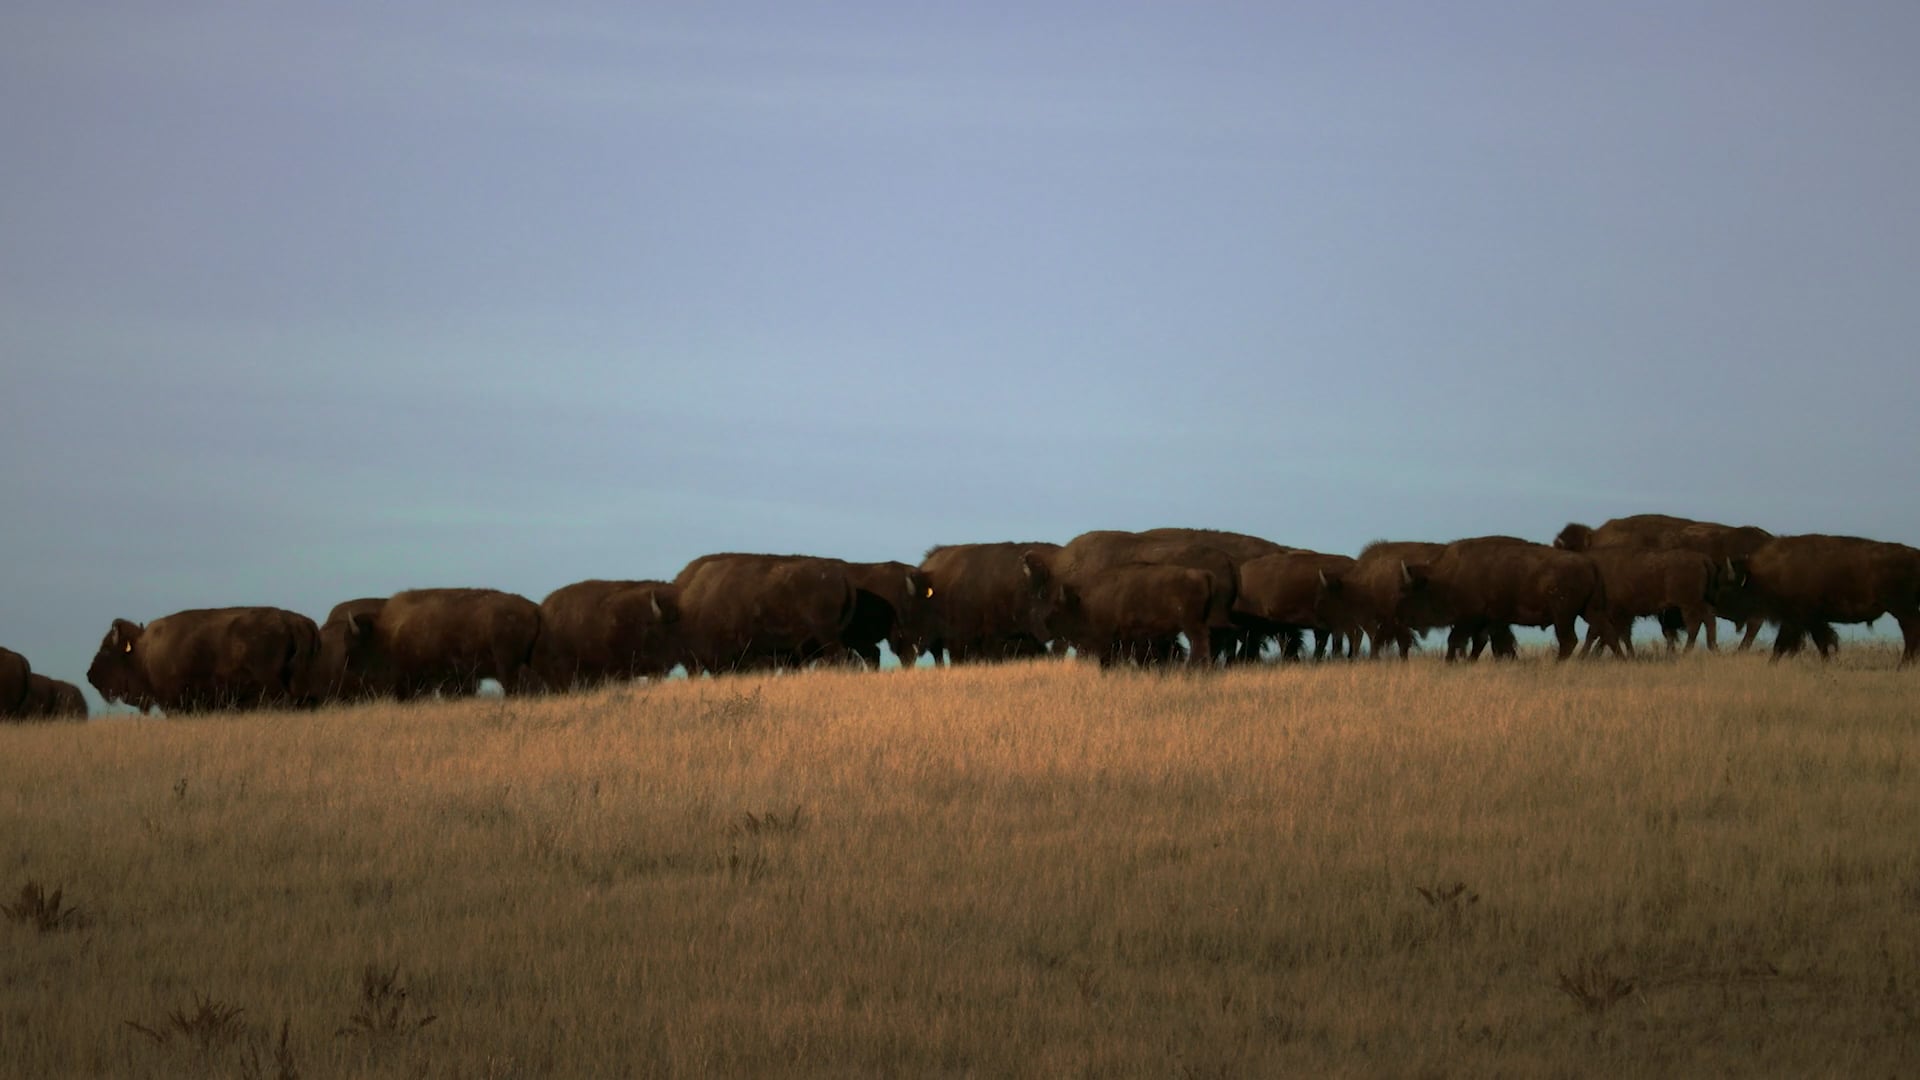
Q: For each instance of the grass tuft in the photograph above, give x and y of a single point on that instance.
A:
(209, 1026)
(43, 911)
(382, 1014)
(1593, 987)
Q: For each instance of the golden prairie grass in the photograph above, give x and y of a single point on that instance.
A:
(1703, 866)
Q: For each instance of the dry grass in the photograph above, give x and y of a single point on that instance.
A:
(1708, 866)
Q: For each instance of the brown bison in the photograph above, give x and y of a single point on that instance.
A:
(1087, 558)
(891, 604)
(1807, 583)
(1294, 591)
(52, 699)
(1673, 585)
(1491, 583)
(741, 611)
(989, 601)
(14, 671)
(218, 658)
(1716, 541)
(1373, 587)
(1242, 547)
(425, 641)
(593, 631)
(1241, 643)
(327, 679)
(1134, 612)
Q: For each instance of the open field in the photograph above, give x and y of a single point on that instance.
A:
(1695, 867)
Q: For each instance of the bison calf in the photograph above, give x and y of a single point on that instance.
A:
(1136, 612)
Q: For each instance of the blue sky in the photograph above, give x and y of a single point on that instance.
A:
(300, 303)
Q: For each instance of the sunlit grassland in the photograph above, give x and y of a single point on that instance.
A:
(1676, 867)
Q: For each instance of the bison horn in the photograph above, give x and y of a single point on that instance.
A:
(1406, 575)
(912, 585)
(653, 601)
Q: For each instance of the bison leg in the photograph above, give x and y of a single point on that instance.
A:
(1671, 624)
(1787, 641)
(1753, 631)
(1696, 618)
(1569, 637)
(1610, 634)
(1504, 645)
(906, 652)
(1200, 646)
(1458, 639)
(1910, 637)
(1825, 640)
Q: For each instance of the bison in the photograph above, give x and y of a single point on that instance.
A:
(1086, 558)
(424, 641)
(1674, 585)
(214, 658)
(14, 672)
(1716, 541)
(1134, 612)
(52, 699)
(1491, 583)
(746, 610)
(593, 631)
(1295, 591)
(1373, 587)
(327, 679)
(891, 605)
(989, 601)
(1807, 583)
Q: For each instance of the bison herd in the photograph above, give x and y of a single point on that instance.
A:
(1198, 596)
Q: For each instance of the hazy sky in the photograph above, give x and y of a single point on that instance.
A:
(306, 302)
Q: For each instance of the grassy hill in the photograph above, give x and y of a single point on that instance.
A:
(1685, 867)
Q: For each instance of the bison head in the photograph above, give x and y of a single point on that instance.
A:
(339, 669)
(664, 603)
(118, 670)
(1420, 602)
(1064, 617)
(1574, 537)
(913, 617)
